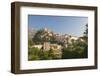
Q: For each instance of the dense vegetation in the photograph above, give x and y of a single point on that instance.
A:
(75, 50)
(39, 54)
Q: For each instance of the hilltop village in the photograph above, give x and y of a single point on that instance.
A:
(47, 40)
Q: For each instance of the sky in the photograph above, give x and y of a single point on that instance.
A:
(59, 24)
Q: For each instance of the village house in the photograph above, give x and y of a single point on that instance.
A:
(37, 46)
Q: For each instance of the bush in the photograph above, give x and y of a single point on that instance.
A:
(76, 50)
(33, 57)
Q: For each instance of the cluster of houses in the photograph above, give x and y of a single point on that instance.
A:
(65, 39)
(47, 46)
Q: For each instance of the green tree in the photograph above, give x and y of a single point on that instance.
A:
(37, 39)
(42, 36)
(86, 31)
(85, 34)
(33, 54)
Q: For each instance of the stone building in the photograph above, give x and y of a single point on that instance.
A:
(46, 46)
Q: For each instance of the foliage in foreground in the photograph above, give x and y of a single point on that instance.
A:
(39, 54)
(76, 50)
